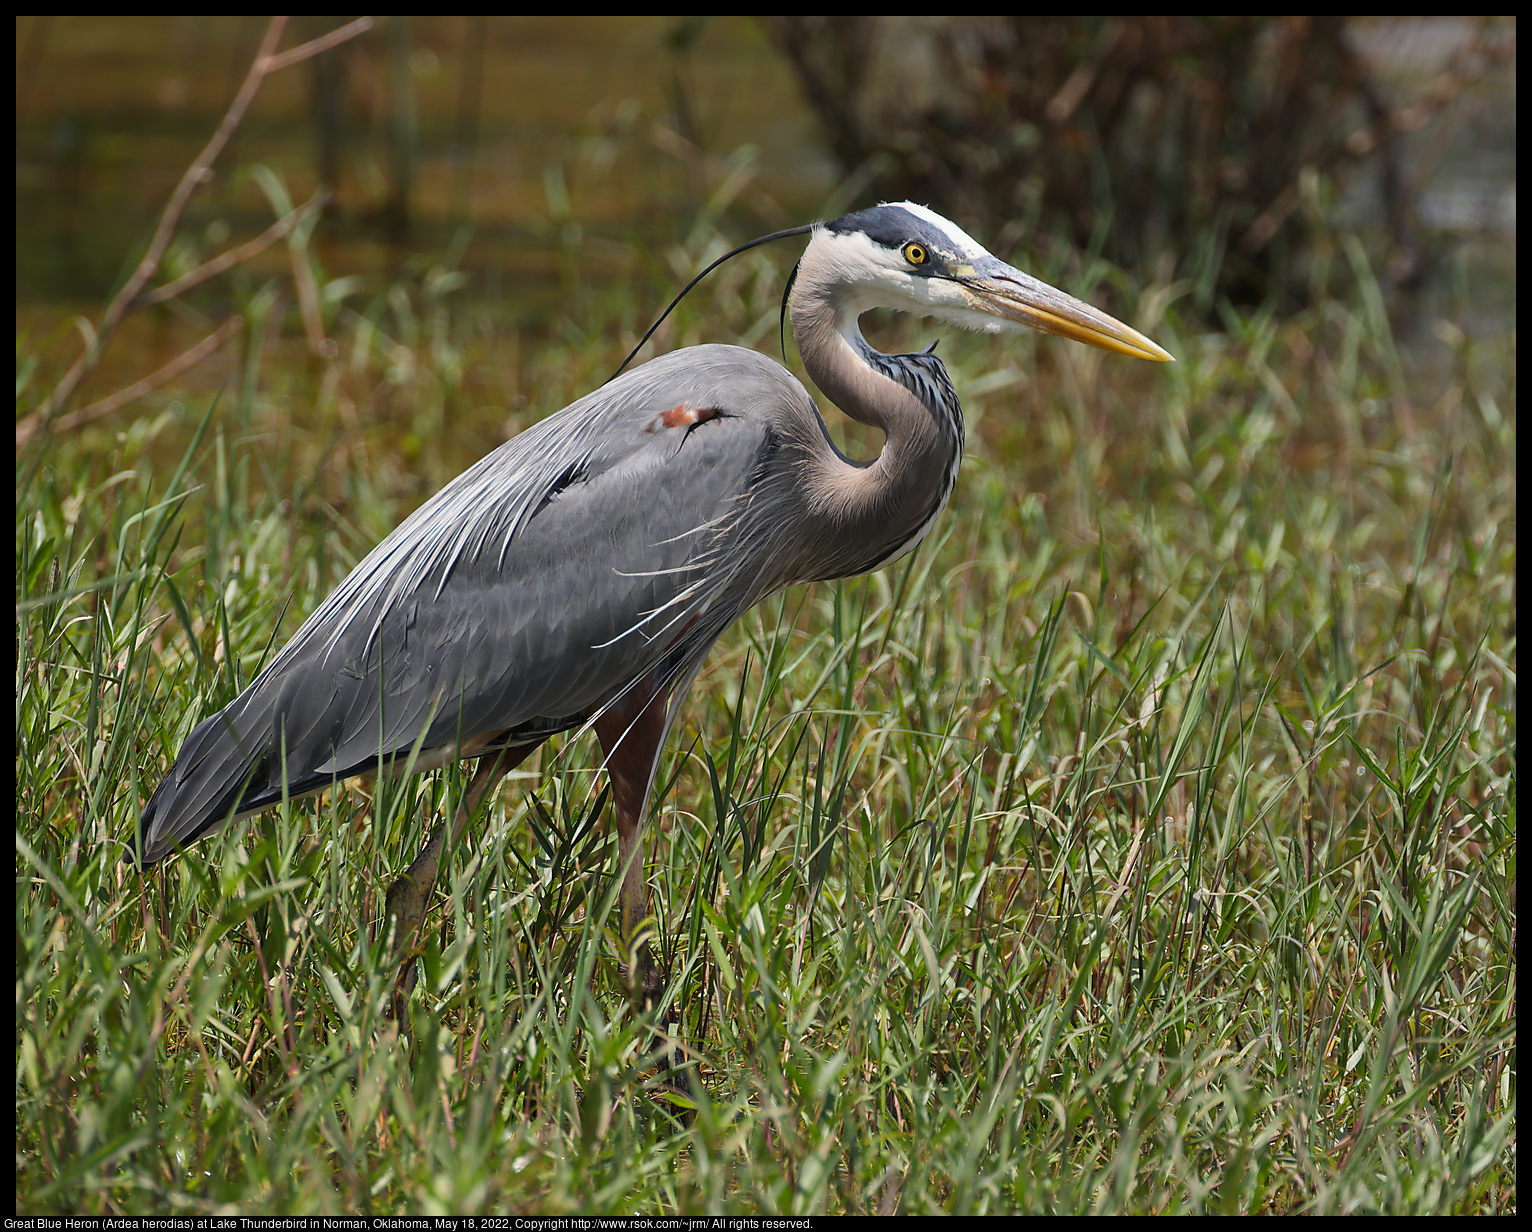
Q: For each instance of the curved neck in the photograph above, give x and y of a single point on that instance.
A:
(874, 511)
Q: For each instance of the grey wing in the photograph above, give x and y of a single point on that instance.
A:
(600, 547)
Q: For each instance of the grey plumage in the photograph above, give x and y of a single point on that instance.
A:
(581, 555)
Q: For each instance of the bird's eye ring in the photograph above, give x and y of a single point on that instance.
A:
(916, 254)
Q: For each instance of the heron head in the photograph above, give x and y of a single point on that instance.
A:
(909, 258)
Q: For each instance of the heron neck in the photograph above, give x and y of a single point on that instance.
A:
(879, 509)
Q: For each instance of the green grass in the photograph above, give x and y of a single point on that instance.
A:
(1144, 842)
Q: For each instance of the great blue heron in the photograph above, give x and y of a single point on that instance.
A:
(579, 574)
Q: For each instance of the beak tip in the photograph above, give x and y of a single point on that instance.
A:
(1147, 348)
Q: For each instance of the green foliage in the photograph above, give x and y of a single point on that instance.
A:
(1145, 842)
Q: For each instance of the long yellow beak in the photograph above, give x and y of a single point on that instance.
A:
(1017, 296)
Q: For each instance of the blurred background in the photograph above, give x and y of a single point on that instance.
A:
(547, 160)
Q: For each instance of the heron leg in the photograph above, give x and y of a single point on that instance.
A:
(631, 733)
(409, 894)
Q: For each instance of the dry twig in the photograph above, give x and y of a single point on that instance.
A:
(266, 61)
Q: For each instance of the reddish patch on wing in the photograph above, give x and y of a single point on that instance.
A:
(682, 416)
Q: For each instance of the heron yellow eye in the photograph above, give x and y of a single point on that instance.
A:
(916, 254)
